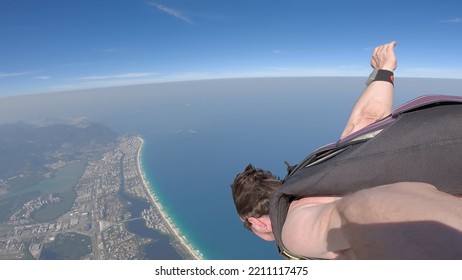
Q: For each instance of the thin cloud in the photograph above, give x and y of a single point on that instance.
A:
(6, 75)
(454, 20)
(124, 79)
(43, 77)
(172, 12)
(118, 76)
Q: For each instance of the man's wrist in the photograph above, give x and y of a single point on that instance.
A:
(381, 75)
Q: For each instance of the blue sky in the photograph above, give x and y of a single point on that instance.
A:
(59, 45)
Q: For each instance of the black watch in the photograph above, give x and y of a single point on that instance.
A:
(380, 75)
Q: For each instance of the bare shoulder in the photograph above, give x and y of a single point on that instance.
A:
(306, 228)
(401, 188)
(383, 222)
(383, 202)
(403, 201)
(379, 222)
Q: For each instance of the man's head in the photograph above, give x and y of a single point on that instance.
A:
(252, 191)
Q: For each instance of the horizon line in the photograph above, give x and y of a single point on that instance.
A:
(84, 87)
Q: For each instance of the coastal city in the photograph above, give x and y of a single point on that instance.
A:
(98, 217)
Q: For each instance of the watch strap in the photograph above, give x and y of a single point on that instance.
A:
(381, 75)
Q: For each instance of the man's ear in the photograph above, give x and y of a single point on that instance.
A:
(262, 227)
(258, 223)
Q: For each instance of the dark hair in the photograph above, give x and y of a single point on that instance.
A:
(252, 190)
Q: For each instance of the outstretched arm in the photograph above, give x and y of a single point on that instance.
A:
(376, 102)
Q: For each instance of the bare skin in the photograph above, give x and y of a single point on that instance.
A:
(405, 220)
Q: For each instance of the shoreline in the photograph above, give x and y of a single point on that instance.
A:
(174, 230)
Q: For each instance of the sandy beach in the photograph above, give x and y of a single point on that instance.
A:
(174, 230)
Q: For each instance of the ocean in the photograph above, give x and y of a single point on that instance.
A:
(199, 134)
